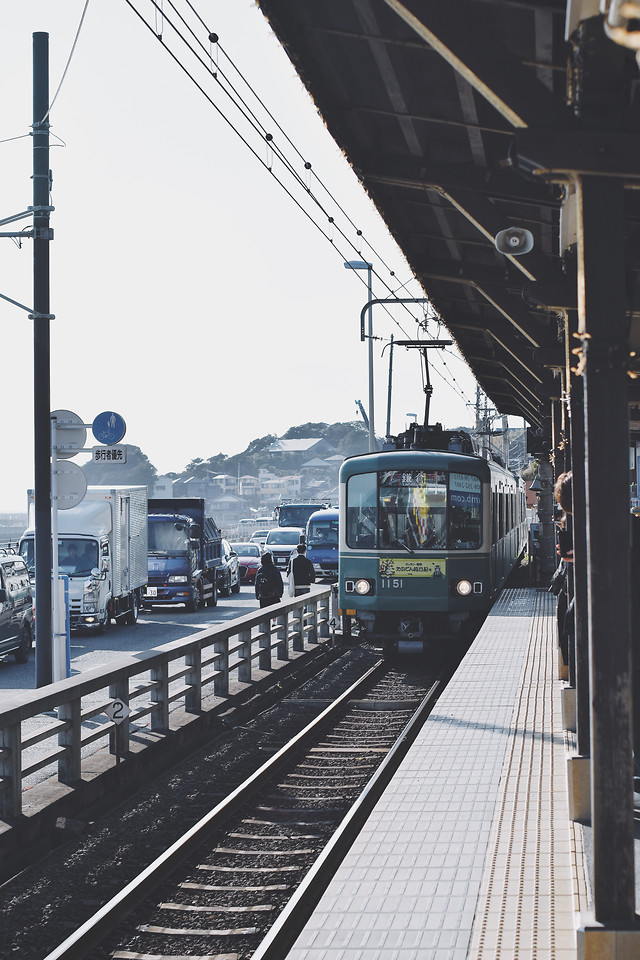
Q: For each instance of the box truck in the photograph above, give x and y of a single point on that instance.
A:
(102, 548)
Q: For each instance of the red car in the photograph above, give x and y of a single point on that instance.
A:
(249, 558)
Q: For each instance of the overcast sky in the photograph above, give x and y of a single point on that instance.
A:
(192, 295)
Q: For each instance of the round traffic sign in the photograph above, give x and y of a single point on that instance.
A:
(71, 485)
(70, 433)
(109, 427)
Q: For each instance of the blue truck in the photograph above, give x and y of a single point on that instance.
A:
(184, 555)
(322, 544)
(295, 513)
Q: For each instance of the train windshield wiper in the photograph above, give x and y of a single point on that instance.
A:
(403, 545)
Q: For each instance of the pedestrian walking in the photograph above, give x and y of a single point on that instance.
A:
(269, 585)
(300, 571)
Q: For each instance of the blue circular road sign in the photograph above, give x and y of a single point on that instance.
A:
(109, 427)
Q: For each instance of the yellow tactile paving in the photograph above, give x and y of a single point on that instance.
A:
(470, 854)
(534, 884)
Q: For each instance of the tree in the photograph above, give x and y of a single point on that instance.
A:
(306, 430)
(137, 470)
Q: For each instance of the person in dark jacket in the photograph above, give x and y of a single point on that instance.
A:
(269, 585)
(303, 572)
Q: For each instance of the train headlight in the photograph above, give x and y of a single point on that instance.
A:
(362, 587)
(464, 588)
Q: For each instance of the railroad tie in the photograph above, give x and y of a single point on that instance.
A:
(214, 869)
(261, 853)
(130, 955)
(195, 932)
(230, 888)
(193, 908)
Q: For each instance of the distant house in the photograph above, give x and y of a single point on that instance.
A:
(226, 483)
(163, 487)
(248, 486)
(191, 487)
(307, 446)
(226, 509)
(315, 465)
(273, 489)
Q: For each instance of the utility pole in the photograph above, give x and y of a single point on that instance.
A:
(42, 235)
(505, 441)
(388, 432)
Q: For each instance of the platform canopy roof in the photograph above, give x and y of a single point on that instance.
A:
(436, 103)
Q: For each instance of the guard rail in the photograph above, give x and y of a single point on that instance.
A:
(109, 705)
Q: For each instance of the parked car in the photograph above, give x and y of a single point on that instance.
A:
(16, 607)
(249, 559)
(228, 579)
(259, 537)
(281, 542)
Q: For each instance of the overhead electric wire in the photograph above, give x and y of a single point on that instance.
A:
(235, 130)
(255, 126)
(259, 128)
(73, 48)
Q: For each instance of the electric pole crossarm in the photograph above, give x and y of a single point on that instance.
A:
(16, 216)
(371, 303)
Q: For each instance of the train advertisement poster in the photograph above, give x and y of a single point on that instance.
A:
(401, 567)
(464, 491)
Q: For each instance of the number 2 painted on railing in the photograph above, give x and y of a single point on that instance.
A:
(117, 711)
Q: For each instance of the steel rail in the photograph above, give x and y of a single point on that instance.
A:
(94, 930)
(290, 923)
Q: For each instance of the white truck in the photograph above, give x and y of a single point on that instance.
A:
(102, 548)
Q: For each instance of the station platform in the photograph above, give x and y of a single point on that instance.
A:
(470, 853)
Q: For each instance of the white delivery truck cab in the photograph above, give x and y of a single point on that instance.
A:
(102, 548)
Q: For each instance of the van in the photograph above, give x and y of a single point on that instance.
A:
(16, 607)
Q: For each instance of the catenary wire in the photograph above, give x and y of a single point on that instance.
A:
(64, 73)
(258, 127)
(276, 148)
(308, 166)
(330, 219)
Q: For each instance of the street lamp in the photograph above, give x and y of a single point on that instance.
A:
(363, 265)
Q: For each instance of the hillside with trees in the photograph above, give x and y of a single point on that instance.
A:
(344, 438)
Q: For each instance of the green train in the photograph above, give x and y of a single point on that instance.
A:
(429, 532)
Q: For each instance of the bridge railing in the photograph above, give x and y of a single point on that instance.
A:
(61, 725)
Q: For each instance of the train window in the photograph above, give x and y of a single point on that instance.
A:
(465, 512)
(413, 509)
(361, 510)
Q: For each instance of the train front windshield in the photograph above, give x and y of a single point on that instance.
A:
(414, 510)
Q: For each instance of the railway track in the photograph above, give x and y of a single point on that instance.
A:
(241, 882)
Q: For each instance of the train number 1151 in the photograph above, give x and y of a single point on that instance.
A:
(391, 583)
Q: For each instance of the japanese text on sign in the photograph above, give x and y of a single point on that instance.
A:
(110, 454)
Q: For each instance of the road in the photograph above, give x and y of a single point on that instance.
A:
(154, 627)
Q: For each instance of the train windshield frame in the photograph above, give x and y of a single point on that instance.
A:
(414, 510)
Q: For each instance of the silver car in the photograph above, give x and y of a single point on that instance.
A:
(281, 543)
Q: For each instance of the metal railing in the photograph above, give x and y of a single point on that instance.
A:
(61, 725)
